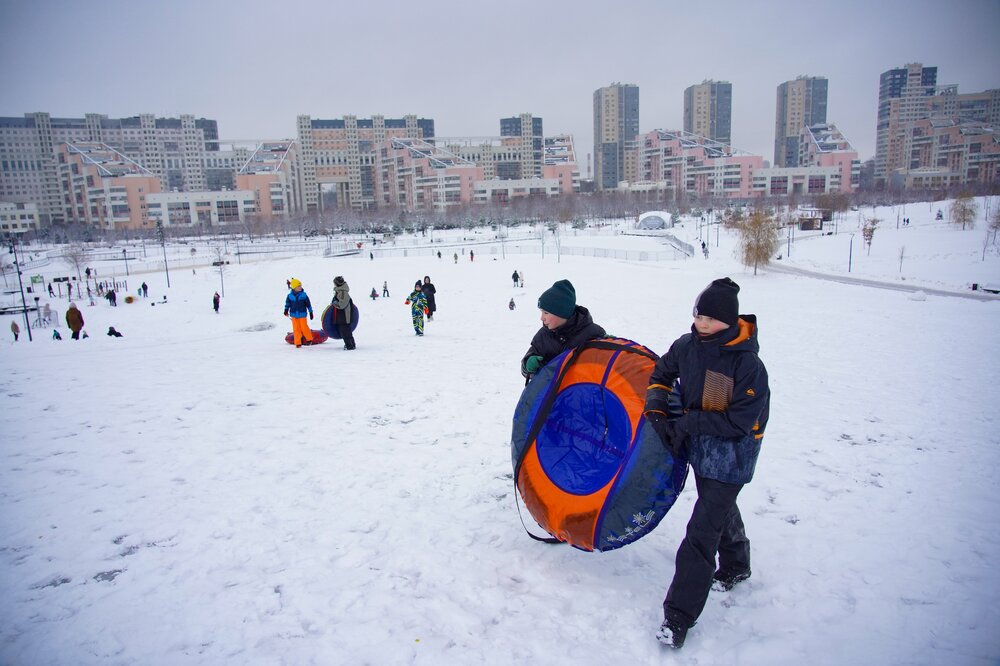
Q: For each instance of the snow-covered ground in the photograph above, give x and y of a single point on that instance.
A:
(200, 492)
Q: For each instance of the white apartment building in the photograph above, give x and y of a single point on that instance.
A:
(182, 152)
(206, 208)
(18, 218)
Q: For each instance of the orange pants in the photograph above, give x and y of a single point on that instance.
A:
(300, 330)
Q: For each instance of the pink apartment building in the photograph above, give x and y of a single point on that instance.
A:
(103, 188)
(823, 145)
(684, 162)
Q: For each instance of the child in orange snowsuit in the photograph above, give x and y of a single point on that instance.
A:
(297, 305)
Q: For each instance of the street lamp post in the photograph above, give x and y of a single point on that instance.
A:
(125, 256)
(20, 282)
(850, 253)
(163, 244)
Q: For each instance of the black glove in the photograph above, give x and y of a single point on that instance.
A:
(310, 316)
(286, 313)
(672, 437)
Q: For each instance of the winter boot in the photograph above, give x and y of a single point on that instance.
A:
(672, 633)
(723, 581)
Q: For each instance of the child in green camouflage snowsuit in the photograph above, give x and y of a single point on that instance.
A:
(418, 307)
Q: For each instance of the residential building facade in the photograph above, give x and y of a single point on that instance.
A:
(526, 131)
(946, 151)
(271, 173)
(708, 110)
(908, 86)
(823, 145)
(172, 149)
(18, 218)
(201, 209)
(103, 188)
(693, 165)
(800, 103)
(686, 164)
(339, 156)
(616, 124)
(414, 174)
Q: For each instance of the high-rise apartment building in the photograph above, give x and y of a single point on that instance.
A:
(911, 85)
(175, 150)
(526, 131)
(616, 124)
(800, 103)
(708, 110)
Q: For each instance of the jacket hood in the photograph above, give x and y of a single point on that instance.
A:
(744, 335)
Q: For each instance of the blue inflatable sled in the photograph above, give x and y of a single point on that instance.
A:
(330, 320)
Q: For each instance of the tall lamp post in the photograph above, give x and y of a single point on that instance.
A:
(163, 244)
(17, 267)
(850, 253)
(125, 256)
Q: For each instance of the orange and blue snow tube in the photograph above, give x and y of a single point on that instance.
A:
(588, 467)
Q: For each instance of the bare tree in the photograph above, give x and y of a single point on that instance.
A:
(993, 225)
(963, 210)
(76, 255)
(220, 264)
(758, 239)
(733, 217)
(5, 265)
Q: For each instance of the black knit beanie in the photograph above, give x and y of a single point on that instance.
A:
(559, 299)
(719, 301)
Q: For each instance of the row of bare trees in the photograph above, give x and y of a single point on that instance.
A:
(579, 209)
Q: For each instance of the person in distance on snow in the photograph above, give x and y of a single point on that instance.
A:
(418, 306)
(564, 325)
(297, 305)
(429, 290)
(725, 399)
(342, 310)
(74, 319)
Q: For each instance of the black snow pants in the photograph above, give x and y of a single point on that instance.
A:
(346, 335)
(716, 527)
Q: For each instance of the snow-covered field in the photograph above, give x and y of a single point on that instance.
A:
(200, 492)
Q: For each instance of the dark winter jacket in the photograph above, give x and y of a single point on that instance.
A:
(579, 328)
(297, 305)
(429, 290)
(342, 302)
(725, 396)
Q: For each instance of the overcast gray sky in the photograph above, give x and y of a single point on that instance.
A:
(254, 65)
